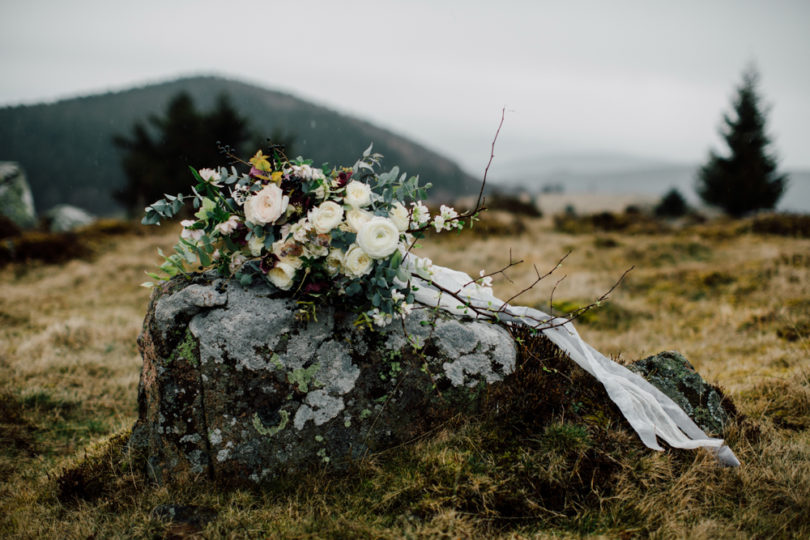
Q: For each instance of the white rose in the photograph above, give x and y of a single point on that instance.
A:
(326, 217)
(399, 215)
(255, 245)
(334, 261)
(358, 194)
(266, 206)
(281, 275)
(378, 237)
(357, 263)
(356, 218)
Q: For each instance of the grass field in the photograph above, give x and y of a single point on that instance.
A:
(736, 304)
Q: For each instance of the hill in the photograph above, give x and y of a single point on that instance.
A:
(67, 152)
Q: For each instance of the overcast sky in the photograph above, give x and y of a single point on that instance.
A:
(644, 78)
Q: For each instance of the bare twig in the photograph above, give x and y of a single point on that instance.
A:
(491, 157)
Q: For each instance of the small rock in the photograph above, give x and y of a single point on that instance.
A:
(671, 373)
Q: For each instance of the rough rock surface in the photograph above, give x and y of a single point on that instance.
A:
(671, 373)
(16, 201)
(242, 385)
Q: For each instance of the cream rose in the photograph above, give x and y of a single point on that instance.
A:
(355, 218)
(357, 263)
(326, 217)
(358, 194)
(266, 206)
(334, 261)
(378, 237)
(399, 215)
(281, 275)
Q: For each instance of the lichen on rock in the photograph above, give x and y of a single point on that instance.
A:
(238, 388)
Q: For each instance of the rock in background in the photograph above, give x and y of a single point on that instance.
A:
(16, 200)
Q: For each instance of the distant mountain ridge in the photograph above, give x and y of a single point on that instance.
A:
(67, 152)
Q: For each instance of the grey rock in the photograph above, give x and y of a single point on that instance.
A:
(671, 373)
(16, 200)
(66, 218)
(240, 386)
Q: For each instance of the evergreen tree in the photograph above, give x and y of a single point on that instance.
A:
(157, 156)
(746, 180)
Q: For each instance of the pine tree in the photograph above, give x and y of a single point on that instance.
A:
(746, 180)
(157, 155)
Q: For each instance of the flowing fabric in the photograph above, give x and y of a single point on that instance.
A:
(649, 411)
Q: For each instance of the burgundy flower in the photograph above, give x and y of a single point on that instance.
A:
(268, 262)
(315, 287)
(343, 178)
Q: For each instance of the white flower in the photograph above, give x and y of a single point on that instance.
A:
(357, 263)
(438, 222)
(356, 218)
(419, 215)
(255, 245)
(334, 261)
(227, 227)
(281, 275)
(316, 251)
(266, 206)
(399, 215)
(236, 263)
(484, 281)
(326, 217)
(405, 308)
(358, 194)
(378, 237)
(380, 318)
(300, 230)
(288, 252)
(396, 296)
(306, 172)
(211, 176)
(193, 236)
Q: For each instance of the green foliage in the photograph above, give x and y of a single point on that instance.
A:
(746, 179)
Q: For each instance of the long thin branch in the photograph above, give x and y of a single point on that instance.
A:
(491, 157)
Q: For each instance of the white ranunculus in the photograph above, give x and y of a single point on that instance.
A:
(356, 218)
(334, 261)
(378, 237)
(326, 217)
(266, 206)
(357, 263)
(399, 215)
(358, 194)
(255, 245)
(281, 275)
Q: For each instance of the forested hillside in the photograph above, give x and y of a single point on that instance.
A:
(67, 151)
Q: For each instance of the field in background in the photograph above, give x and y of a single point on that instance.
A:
(736, 305)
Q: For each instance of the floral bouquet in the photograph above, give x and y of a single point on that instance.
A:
(314, 231)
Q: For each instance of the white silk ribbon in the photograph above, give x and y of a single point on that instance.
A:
(649, 411)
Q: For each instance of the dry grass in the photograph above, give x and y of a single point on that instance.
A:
(736, 304)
